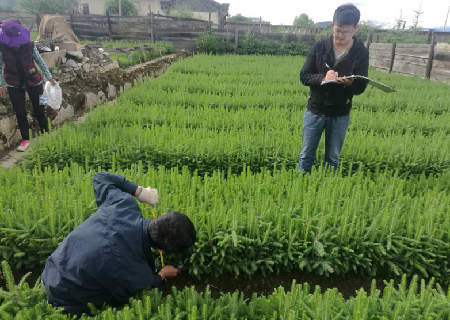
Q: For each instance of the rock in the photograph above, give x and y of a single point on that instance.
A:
(86, 67)
(99, 70)
(79, 64)
(91, 100)
(3, 109)
(127, 86)
(69, 64)
(139, 78)
(111, 66)
(106, 67)
(63, 115)
(101, 96)
(76, 54)
(9, 130)
(63, 60)
(112, 92)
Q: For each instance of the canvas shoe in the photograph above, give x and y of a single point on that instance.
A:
(24, 146)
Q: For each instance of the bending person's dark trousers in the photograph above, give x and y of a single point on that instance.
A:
(17, 96)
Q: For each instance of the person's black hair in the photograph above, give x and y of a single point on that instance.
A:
(172, 232)
(346, 14)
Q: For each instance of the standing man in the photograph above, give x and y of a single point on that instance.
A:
(108, 258)
(329, 105)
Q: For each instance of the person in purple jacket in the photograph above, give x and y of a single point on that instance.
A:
(18, 53)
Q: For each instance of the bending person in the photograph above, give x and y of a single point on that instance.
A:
(108, 258)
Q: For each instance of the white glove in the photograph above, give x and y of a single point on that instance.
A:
(149, 196)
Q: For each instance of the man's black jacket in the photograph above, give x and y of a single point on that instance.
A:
(334, 100)
(107, 258)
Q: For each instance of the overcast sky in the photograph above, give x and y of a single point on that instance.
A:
(434, 11)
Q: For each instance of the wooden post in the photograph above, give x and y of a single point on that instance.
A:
(38, 22)
(236, 38)
(446, 19)
(117, 55)
(120, 8)
(139, 54)
(394, 46)
(209, 22)
(369, 39)
(152, 32)
(71, 22)
(430, 56)
(109, 26)
(260, 24)
(430, 35)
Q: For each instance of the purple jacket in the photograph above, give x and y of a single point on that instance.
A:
(20, 69)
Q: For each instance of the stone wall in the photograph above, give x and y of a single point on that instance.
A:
(86, 82)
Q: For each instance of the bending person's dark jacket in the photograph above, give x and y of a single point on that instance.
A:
(105, 259)
(334, 100)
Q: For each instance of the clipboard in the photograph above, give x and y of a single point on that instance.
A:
(374, 83)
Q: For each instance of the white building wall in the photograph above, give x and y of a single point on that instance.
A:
(98, 6)
(205, 16)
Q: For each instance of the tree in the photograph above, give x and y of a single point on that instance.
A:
(303, 21)
(128, 8)
(239, 18)
(48, 6)
(365, 28)
(398, 34)
(400, 23)
(416, 19)
(181, 12)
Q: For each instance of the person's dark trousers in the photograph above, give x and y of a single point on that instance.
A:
(17, 96)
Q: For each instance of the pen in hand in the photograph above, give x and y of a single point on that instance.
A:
(334, 72)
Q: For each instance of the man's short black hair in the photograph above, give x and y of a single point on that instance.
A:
(346, 14)
(172, 232)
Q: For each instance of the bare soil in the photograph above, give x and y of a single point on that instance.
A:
(347, 285)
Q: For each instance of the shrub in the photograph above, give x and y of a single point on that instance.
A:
(259, 45)
(210, 42)
(47, 6)
(405, 36)
(128, 8)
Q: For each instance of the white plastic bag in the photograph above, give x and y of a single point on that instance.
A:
(53, 93)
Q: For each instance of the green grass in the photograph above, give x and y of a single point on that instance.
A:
(124, 59)
(219, 137)
(34, 35)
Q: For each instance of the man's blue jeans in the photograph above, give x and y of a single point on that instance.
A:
(313, 127)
